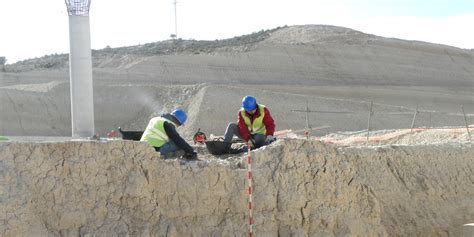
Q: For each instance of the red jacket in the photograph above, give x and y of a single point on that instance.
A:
(267, 121)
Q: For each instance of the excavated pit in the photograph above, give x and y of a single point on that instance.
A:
(302, 188)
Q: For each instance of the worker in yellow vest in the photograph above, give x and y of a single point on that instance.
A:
(255, 124)
(162, 135)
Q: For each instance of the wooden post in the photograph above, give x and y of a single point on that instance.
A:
(465, 122)
(412, 124)
(368, 123)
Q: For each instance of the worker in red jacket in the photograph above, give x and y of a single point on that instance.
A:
(255, 124)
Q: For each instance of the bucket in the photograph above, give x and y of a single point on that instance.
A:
(131, 135)
(218, 147)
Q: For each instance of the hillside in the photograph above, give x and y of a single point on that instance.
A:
(333, 68)
(167, 47)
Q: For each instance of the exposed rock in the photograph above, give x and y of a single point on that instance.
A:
(302, 188)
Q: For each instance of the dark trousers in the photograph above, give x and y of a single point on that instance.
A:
(233, 129)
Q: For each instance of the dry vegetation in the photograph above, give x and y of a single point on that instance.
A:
(166, 47)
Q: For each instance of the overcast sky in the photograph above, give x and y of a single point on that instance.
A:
(34, 28)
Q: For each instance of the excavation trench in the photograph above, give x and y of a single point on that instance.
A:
(301, 188)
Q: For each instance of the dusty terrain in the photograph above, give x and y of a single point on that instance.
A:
(335, 69)
(399, 182)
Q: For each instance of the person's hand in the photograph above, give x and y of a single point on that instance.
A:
(269, 139)
(190, 156)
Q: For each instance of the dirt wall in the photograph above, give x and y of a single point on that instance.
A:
(302, 188)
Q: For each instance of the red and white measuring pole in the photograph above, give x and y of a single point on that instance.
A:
(250, 177)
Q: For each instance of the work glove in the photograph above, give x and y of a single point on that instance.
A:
(190, 156)
(269, 139)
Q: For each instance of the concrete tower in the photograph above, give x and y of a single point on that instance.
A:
(80, 69)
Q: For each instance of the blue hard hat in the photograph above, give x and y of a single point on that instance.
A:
(180, 115)
(249, 103)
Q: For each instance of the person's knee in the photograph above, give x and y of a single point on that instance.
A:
(168, 148)
(259, 140)
(231, 128)
(231, 125)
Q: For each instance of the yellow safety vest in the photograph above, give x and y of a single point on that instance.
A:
(257, 127)
(155, 133)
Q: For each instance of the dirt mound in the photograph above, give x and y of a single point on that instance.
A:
(301, 188)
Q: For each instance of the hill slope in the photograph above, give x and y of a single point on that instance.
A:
(295, 63)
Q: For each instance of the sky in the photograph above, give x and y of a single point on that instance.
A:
(33, 28)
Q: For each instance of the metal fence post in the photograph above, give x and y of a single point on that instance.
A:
(465, 122)
(412, 124)
(368, 123)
